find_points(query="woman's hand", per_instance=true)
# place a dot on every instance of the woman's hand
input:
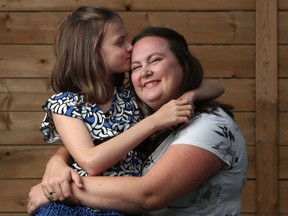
(56, 181)
(173, 113)
(36, 199)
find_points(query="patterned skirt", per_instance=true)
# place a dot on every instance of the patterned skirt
(61, 209)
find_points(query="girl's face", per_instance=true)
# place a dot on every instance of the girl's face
(116, 49)
(156, 72)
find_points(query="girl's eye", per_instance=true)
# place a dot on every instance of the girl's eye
(120, 43)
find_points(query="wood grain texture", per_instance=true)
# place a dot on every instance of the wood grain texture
(229, 27)
(266, 108)
(234, 40)
(128, 5)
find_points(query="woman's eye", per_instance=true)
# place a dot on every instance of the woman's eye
(154, 60)
(134, 68)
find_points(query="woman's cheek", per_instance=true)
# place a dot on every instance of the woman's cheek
(134, 79)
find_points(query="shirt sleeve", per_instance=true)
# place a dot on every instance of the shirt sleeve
(64, 103)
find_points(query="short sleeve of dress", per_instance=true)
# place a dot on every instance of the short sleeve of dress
(64, 103)
(215, 133)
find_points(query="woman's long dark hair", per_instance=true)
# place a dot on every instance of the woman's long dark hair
(192, 71)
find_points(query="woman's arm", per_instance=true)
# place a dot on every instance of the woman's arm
(168, 180)
(58, 176)
(58, 184)
(96, 159)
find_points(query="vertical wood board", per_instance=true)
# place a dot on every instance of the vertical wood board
(266, 107)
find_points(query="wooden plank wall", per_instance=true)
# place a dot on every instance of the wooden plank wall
(244, 43)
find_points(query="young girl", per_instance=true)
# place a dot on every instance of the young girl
(92, 54)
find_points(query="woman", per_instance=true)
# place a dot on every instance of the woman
(92, 54)
(199, 169)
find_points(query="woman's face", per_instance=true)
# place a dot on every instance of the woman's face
(116, 49)
(156, 72)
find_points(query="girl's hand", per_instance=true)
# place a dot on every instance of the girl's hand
(173, 113)
(189, 96)
(209, 89)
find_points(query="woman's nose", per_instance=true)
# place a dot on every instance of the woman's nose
(146, 72)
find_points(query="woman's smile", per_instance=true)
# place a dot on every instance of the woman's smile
(151, 84)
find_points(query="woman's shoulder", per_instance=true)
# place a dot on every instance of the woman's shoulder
(218, 116)
(204, 125)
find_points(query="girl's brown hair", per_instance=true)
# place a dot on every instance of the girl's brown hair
(79, 65)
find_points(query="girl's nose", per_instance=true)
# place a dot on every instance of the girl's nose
(129, 47)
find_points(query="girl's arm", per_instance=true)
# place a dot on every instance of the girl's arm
(209, 89)
(60, 183)
(96, 159)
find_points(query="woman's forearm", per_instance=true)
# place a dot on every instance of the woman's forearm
(168, 180)
(108, 193)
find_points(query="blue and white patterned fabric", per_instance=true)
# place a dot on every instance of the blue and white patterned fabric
(123, 114)
(59, 209)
